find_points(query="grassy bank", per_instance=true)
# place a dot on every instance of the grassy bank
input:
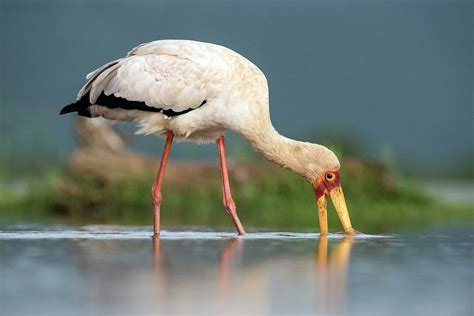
(266, 196)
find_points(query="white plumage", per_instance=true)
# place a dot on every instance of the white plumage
(172, 75)
(197, 91)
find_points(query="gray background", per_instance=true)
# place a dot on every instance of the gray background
(396, 74)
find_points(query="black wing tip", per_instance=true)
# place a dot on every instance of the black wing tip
(77, 106)
(68, 109)
(81, 107)
(112, 102)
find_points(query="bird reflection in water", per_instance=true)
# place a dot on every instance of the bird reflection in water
(159, 266)
(331, 273)
(256, 287)
(228, 254)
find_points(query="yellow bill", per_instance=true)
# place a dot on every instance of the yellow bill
(337, 197)
(329, 185)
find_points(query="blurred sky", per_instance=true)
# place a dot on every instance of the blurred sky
(398, 74)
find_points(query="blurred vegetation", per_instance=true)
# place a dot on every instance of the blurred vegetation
(266, 197)
(106, 183)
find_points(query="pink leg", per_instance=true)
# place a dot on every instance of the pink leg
(156, 195)
(229, 203)
(225, 274)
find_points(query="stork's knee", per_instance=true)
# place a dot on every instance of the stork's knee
(229, 205)
(156, 195)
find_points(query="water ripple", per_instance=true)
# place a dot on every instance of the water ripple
(123, 233)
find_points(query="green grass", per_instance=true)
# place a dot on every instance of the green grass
(272, 198)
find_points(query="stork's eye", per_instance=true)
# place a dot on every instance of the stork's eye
(330, 176)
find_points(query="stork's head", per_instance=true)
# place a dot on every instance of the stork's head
(325, 180)
(329, 184)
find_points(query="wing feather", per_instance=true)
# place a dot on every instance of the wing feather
(99, 84)
(92, 76)
(160, 81)
(161, 74)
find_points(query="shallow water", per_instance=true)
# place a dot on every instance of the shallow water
(101, 270)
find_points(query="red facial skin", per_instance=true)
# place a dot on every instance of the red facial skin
(325, 185)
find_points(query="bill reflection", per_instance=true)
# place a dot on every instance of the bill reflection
(237, 279)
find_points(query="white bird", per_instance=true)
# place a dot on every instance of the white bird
(197, 91)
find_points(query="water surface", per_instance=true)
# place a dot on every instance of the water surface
(102, 270)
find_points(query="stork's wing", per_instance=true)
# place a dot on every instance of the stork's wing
(166, 77)
(92, 76)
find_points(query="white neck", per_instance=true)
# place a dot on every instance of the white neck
(307, 159)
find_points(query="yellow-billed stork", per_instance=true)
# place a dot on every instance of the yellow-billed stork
(196, 91)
